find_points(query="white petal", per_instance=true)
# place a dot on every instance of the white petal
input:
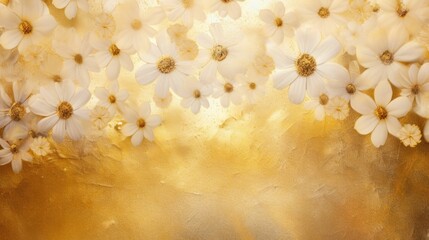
(112, 70)
(282, 79)
(393, 125)
(367, 57)
(379, 135)
(45, 24)
(383, 93)
(410, 52)
(129, 129)
(73, 129)
(16, 165)
(10, 39)
(399, 107)
(333, 71)
(80, 98)
(137, 138)
(363, 104)
(144, 110)
(154, 121)
(71, 10)
(59, 131)
(297, 91)
(147, 74)
(328, 48)
(366, 124)
(307, 39)
(209, 73)
(47, 123)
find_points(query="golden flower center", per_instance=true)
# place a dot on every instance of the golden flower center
(166, 65)
(228, 87)
(112, 99)
(188, 3)
(25, 27)
(14, 148)
(65, 110)
(415, 89)
(114, 50)
(136, 24)
(226, 1)
(375, 8)
(386, 58)
(324, 12)
(323, 99)
(57, 78)
(219, 53)
(78, 58)
(17, 111)
(197, 94)
(305, 65)
(401, 10)
(350, 88)
(381, 112)
(141, 123)
(279, 22)
(252, 85)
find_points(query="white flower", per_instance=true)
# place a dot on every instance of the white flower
(163, 102)
(409, 14)
(70, 6)
(100, 116)
(62, 106)
(228, 92)
(356, 33)
(14, 153)
(325, 15)
(164, 66)
(410, 135)
(14, 112)
(140, 125)
(253, 85)
(225, 8)
(380, 117)
(307, 69)
(104, 26)
(25, 23)
(113, 56)
(220, 53)
(264, 65)
(40, 146)
(77, 58)
(318, 103)
(338, 108)
(134, 25)
(195, 95)
(113, 98)
(186, 10)
(278, 22)
(384, 56)
(416, 86)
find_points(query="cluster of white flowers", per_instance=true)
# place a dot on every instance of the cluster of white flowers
(334, 55)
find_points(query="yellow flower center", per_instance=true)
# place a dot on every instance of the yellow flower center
(197, 94)
(279, 22)
(381, 112)
(323, 99)
(415, 89)
(114, 50)
(166, 65)
(17, 111)
(219, 53)
(112, 99)
(401, 10)
(252, 85)
(188, 3)
(324, 12)
(136, 24)
(78, 58)
(375, 8)
(305, 65)
(65, 110)
(57, 78)
(226, 1)
(141, 123)
(25, 27)
(228, 87)
(351, 88)
(386, 58)
(14, 148)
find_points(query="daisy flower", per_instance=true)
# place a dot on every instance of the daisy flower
(134, 25)
(140, 124)
(263, 64)
(163, 102)
(318, 103)
(338, 108)
(228, 92)
(15, 152)
(25, 23)
(278, 22)
(40, 146)
(225, 8)
(325, 15)
(113, 98)
(305, 70)
(416, 86)
(71, 6)
(220, 53)
(113, 56)
(409, 14)
(62, 106)
(195, 95)
(78, 60)
(13, 112)
(163, 64)
(380, 116)
(104, 26)
(253, 85)
(385, 55)
(100, 117)
(410, 135)
(186, 10)
(188, 49)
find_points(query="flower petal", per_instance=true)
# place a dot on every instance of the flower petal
(363, 104)
(383, 93)
(297, 90)
(399, 107)
(366, 124)
(379, 135)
